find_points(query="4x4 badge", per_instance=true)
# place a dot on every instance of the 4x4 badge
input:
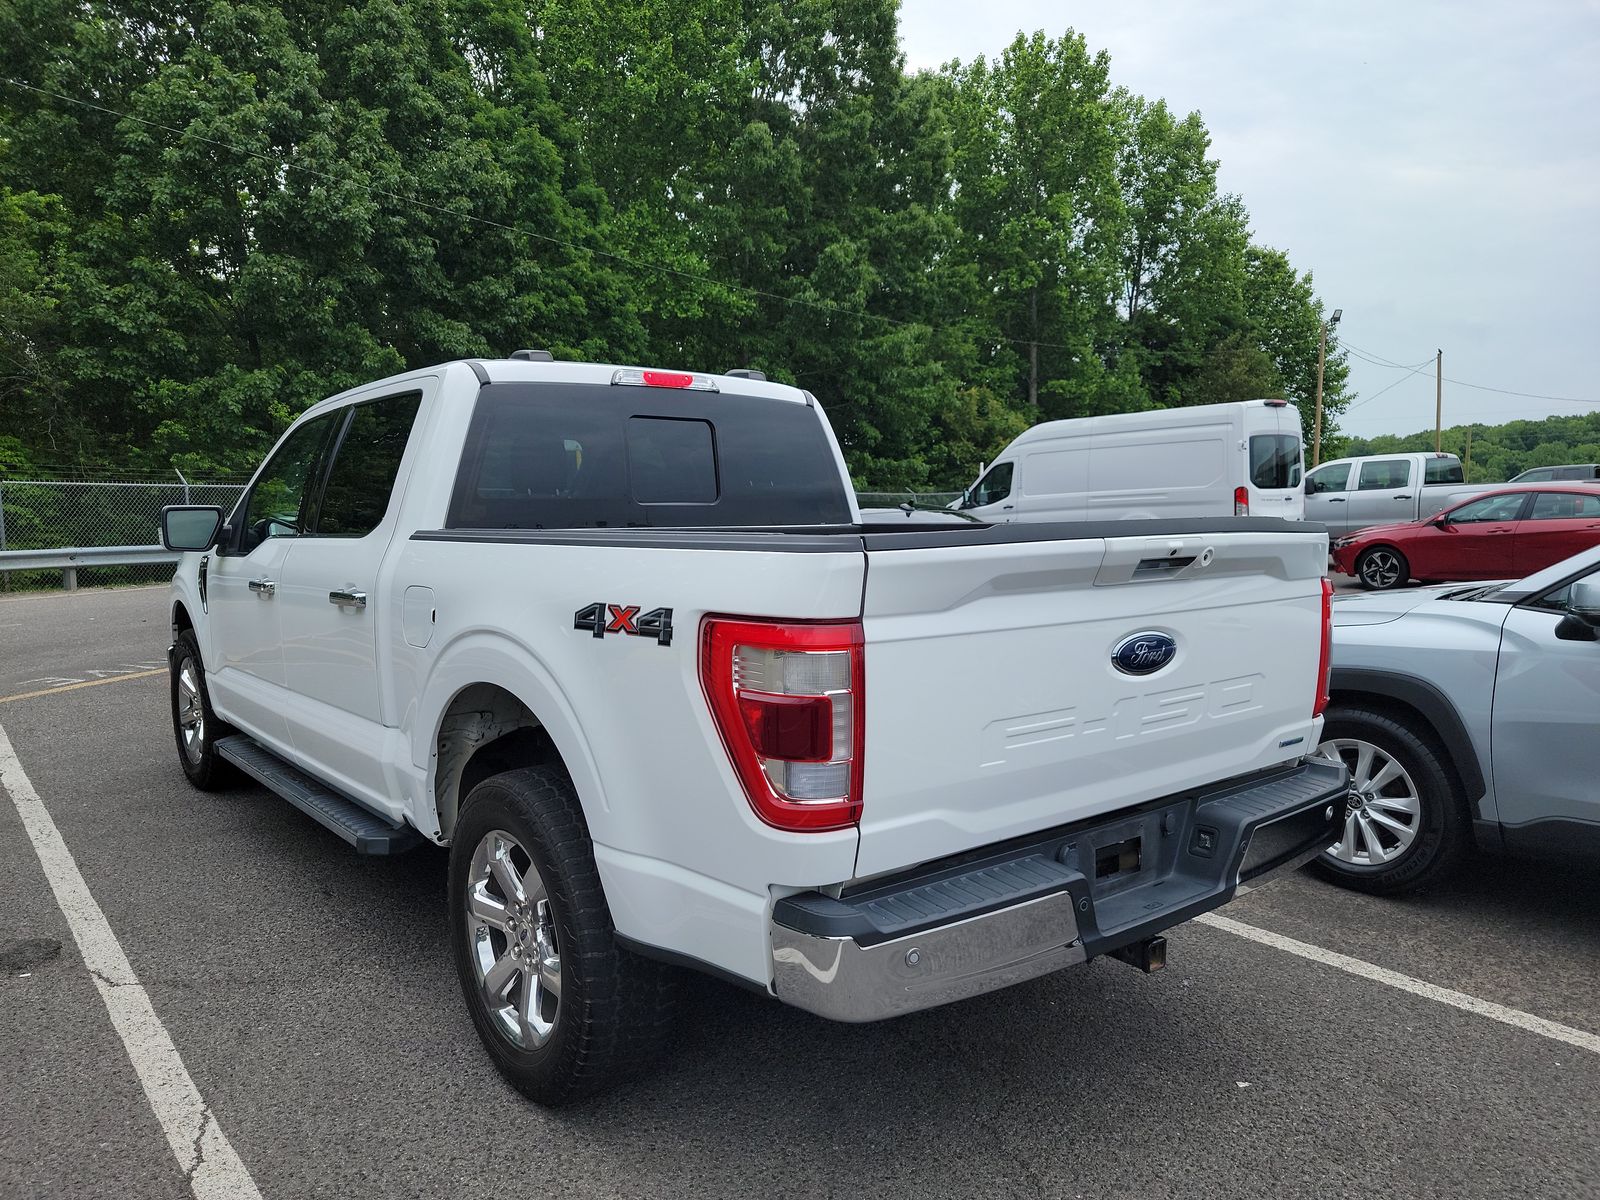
(601, 618)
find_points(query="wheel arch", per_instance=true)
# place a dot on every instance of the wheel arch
(490, 706)
(180, 618)
(1425, 703)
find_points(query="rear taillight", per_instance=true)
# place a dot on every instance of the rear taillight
(1241, 502)
(789, 701)
(1325, 662)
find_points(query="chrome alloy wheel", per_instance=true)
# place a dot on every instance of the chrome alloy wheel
(191, 715)
(1383, 811)
(1380, 569)
(512, 934)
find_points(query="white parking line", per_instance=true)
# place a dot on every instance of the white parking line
(197, 1141)
(1553, 1030)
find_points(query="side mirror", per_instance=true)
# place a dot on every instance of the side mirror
(1583, 601)
(1311, 487)
(190, 526)
(1442, 521)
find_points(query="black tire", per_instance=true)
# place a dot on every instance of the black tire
(1442, 834)
(1381, 568)
(198, 756)
(614, 1008)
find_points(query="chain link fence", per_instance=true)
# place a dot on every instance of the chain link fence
(895, 499)
(46, 514)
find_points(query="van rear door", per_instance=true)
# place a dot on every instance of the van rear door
(1274, 461)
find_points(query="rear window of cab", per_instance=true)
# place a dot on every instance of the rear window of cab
(594, 456)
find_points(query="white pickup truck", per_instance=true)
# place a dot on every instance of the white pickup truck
(620, 640)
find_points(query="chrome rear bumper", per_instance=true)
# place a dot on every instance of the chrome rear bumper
(959, 929)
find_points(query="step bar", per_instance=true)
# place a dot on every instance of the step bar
(361, 827)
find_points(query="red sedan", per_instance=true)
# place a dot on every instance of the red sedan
(1502, 534)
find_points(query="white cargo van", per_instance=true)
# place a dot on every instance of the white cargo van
(1239, 459)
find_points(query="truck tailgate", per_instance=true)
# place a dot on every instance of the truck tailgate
(994, 707)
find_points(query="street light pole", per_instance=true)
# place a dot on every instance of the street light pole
(1322, 353)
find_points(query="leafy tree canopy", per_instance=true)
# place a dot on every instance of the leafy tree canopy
(213, 214)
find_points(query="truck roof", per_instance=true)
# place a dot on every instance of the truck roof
(515, 370)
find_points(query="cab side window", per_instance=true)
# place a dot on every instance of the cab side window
(280, 502)
(361, 480)
(1383, 474)
(1329, 479)
(993, 487)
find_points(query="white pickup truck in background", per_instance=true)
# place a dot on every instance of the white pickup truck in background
(620, 640)
(1348, 494)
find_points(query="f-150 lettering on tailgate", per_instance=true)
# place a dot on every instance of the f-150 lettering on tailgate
(1158, 712)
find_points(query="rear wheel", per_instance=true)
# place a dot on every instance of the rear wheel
(1382, 568)
(195, 727)
(563, 1010)
(1405, 823)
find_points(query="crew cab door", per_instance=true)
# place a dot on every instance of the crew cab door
(1385, 492)
(1544, 752)
(1326, 501)
(243, 647)
(1559, 525)
(330, 598)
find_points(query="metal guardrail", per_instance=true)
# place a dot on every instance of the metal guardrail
(67, 560)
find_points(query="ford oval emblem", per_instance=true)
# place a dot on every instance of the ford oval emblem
(1144, 653)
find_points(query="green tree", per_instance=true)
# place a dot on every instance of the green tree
(299, 199)
(1285, 318)
(1036, 200)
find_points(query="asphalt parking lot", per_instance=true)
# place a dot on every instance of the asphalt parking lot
(310, 996)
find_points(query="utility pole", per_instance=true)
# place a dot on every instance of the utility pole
(1322, 354)
(1466, 467)
(1438, 401)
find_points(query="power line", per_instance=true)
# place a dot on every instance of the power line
(1380, 391)
(623, 259)
(1378, 360)
(1384, 363)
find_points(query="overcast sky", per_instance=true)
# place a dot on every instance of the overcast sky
(1435, 166)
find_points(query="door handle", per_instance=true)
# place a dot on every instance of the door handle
(348, 599)
(264, 587)
(1008, 507)
(1406, 497)
(1335, 499)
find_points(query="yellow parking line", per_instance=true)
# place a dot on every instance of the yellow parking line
(72, 687)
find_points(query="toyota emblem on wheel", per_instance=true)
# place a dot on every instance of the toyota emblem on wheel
(1144, 653)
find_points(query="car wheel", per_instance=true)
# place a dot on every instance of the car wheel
(1405, 824)
(194, 725)
(1382, 568)
(563, 1010)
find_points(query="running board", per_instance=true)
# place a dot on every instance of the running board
(362, 828)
